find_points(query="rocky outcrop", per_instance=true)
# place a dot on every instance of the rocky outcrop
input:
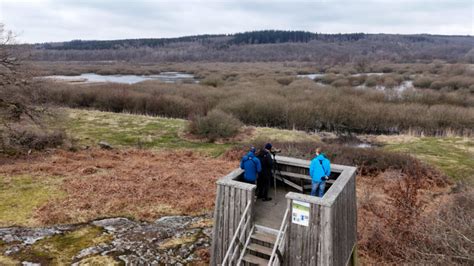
(169, 240)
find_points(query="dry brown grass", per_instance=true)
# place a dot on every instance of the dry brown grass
(135, 183)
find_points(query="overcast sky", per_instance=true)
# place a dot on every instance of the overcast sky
(55, 20)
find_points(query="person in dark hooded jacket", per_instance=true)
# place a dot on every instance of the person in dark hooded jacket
(251, 165)
(265, 177)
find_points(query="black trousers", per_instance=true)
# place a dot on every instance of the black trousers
(263, 184)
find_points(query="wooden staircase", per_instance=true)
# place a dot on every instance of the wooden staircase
(259, 249)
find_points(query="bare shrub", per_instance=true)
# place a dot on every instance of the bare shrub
(447, 234)
(422, 82)
(371, 81)
(329, 78)
(258, 109)
(213, 80)
(21, 138)
(216, 124)
(437, 85)
(257, 99)
(357, 80)
(341, 83)
(285, 81)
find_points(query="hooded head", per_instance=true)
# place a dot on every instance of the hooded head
(252, 149)
(268, 146)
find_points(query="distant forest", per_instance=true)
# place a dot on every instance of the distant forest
(268, 45)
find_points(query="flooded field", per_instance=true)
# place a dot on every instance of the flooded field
(318, 77)
(167, 77)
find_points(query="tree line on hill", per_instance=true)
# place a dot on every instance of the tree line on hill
(268, 45)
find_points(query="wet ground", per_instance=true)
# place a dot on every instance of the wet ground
(167, 77)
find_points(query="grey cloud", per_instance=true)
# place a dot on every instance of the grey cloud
(54, 20)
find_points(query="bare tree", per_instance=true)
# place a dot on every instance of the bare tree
(20, 116)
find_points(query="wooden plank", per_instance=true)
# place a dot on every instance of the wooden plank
(295, 175)
(331, 181)
(305, 163)
(263, 237)
(326, 236)
(225, 235)
(288, 182)
(221, 230)
(243, 203)
(236, 184)
(215, 229)
(251, 198)
(315, 233)
(231, 212)
(238, 216)
(255, 260)
(307, 198)
(260, 249)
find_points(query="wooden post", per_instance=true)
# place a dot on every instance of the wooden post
(231, 199)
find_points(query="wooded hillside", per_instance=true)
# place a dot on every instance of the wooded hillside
(269, 45)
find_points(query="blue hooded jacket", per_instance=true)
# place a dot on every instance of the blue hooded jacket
(319, 168)
(251, 165)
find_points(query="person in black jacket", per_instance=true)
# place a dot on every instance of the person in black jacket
(265, 176)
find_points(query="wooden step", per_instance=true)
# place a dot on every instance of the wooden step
(254, 260)
(267, 238)
(260, 249)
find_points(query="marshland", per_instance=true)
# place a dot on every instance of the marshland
(406, 122)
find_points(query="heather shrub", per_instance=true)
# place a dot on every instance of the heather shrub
(216, 124)
(422, 82)
(258, 109)
(371, 81)
(459, 82)
(357, 80)
(22, 138)
(113, 100)
(172, 106)
(437, 85)
(341, 83)
(391, 80)
(285, 81)
(213, 81)
(329, 78)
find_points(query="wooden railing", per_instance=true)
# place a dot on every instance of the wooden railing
(279, 245)
(236, 243)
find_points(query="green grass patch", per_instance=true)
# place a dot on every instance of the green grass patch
(21, 195)
(60, 249)
(283, 135)
(453, 155)
(126, 130)
(4, 260)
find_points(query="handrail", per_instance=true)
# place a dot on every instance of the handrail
(234, 238)
(281, 234)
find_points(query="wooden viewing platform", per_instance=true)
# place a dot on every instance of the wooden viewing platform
(292, 229)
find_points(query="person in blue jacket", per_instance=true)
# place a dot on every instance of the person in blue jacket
(251, 165)
(319, 170)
